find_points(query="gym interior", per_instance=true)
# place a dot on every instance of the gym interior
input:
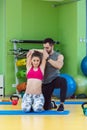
(23, 26)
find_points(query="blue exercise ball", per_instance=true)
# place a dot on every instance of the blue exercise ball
(71, 86)
(84, 65)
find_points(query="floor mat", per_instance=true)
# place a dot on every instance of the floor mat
(20, 112)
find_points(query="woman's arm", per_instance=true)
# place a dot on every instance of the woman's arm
(28, 61)
(39, 50)
(43, 63)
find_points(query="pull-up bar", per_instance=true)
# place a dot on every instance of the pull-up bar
(30, 41)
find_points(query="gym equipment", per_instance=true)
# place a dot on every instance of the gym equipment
(20, 112)
(81, 85)
(81, 96)
(84, 65)
(19, 52)
(71, 86)
(21, 74)
(71, 102)
(22, 93)
(66, 102)
(84, 108)
(21, 87)
(14, 99)
(21, 62)
(30, 41)
(5, 100)
(5, 103)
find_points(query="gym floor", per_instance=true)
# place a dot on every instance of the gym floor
(76, 120)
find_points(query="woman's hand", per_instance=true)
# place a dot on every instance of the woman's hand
(30, 53)
(45, 54)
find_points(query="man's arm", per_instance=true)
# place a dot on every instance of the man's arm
(58, 63)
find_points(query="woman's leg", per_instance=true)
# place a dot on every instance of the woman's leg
(38, 103)
(26, 102)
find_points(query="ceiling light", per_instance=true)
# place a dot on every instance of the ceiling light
(54, 0)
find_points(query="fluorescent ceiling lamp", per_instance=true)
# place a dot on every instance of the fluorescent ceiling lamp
(54, 0)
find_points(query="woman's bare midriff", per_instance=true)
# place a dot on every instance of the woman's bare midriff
(34, 86)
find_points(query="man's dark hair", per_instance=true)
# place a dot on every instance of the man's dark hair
(49, 40)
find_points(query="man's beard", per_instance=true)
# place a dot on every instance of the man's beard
(49, 52)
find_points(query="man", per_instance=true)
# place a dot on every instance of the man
(52, 80)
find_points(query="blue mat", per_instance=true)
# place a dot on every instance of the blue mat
(66, 102)
(5, 103)
(20, 112)
(71, 102)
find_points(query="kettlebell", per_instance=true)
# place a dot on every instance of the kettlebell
(84, 108)
(14, 99)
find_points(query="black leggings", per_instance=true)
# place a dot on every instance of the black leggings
(47, 90)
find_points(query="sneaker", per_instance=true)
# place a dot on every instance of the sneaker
(61, 107)
(53, 105)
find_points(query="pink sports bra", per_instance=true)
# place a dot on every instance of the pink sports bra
(35, 74)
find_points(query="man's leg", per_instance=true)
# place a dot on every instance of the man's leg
(61, 83)
(47, 92)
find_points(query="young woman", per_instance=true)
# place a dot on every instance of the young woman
(33, 98)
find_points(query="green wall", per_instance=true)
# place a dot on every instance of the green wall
(81, 33)
(63, 23)
(35, 19)
(39, 19)
(13, 30)
(2, 36)
(67, 28)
